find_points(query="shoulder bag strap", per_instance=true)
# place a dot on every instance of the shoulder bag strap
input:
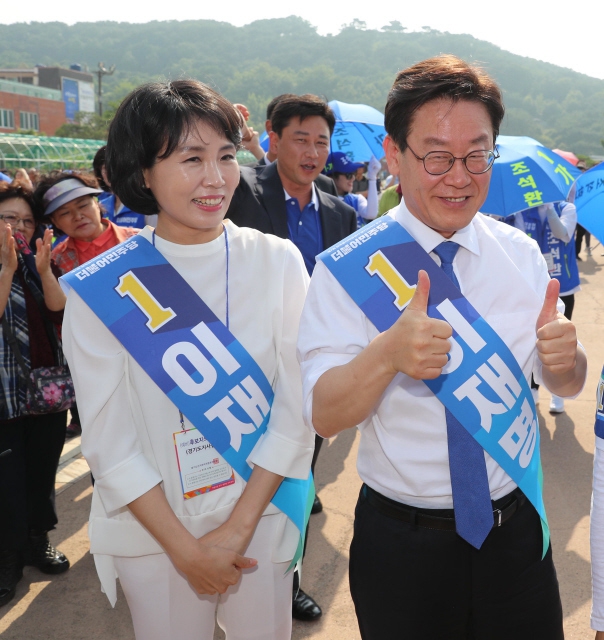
(51, 331)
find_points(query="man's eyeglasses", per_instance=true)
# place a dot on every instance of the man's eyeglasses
(28, 223)
(436, 163)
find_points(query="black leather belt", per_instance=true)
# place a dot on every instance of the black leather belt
(503, 509)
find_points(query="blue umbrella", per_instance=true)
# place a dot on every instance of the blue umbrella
(526, 175)
(359, 131)
(589, 199)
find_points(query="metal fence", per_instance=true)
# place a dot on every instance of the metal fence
(46, 153)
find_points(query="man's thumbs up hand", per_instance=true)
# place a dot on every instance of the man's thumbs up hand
(549, 310)
(419, 302)
(556, 336)
(416, 344)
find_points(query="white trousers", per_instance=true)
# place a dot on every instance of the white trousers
(165, 607)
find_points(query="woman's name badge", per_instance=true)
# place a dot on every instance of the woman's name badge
(201, 467)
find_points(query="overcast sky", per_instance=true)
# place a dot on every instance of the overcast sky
(567, 34)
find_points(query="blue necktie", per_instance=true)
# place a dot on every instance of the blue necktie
(469, 480)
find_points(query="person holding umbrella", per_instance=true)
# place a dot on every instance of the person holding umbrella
(341, 169)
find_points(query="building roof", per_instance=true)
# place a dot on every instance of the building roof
(33, 91)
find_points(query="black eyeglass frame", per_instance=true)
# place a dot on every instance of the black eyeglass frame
(492, 157)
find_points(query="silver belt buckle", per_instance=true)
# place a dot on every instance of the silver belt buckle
(498, 512)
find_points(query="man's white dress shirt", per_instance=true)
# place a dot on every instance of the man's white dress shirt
(403, 449)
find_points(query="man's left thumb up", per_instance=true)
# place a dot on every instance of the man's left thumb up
(549, 311)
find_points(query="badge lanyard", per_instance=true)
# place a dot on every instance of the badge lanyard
(226, 246)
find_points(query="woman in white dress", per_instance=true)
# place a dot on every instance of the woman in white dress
(223, 554)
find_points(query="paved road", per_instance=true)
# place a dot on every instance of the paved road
(71, 606)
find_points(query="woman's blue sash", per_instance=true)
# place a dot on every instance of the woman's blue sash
(190, 354)
(483, 384)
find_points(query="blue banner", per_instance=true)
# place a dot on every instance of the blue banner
(482, 384)
(189, 353)
(71, 98)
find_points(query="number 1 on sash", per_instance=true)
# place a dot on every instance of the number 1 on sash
(157, 316)
(382, 267)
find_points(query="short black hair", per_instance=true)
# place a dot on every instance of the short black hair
(98, 162)
(302, 107)
(447, 77)
(275, 101)
(149, 125)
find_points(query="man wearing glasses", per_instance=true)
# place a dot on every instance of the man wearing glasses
(445, 543)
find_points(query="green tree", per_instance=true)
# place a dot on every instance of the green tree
(87, 126)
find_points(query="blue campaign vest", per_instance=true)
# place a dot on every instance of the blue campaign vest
(352, 200)
(126, 217)
(563, 254)
(483, 384)
(191, 356)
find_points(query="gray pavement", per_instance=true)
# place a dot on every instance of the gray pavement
(72, 607)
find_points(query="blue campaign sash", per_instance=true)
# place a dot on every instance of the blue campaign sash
(190, 354)
(483, 384)
(599, 423)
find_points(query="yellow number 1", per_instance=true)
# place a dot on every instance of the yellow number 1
(157, 316)
(382, 267)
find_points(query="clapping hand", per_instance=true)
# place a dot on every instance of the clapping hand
(8, 252)
(43, 252)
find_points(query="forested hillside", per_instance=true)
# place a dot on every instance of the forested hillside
(252, 64)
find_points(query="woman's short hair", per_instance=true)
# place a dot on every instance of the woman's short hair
(149, 125)
(21, 190)
(446, 77)
(98, 162)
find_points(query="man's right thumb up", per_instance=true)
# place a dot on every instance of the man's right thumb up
(419, 302)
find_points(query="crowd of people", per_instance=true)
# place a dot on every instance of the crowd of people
(219, 321)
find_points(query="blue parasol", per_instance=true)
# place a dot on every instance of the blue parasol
(359, 131)
(588, 194)
(526, 175)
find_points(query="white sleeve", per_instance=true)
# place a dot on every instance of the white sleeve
(519, 222)
(597, 539)
(563, 226)
(372, 201)
(361, 205)
(333, 330)
(288, 444)
(110, 441)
